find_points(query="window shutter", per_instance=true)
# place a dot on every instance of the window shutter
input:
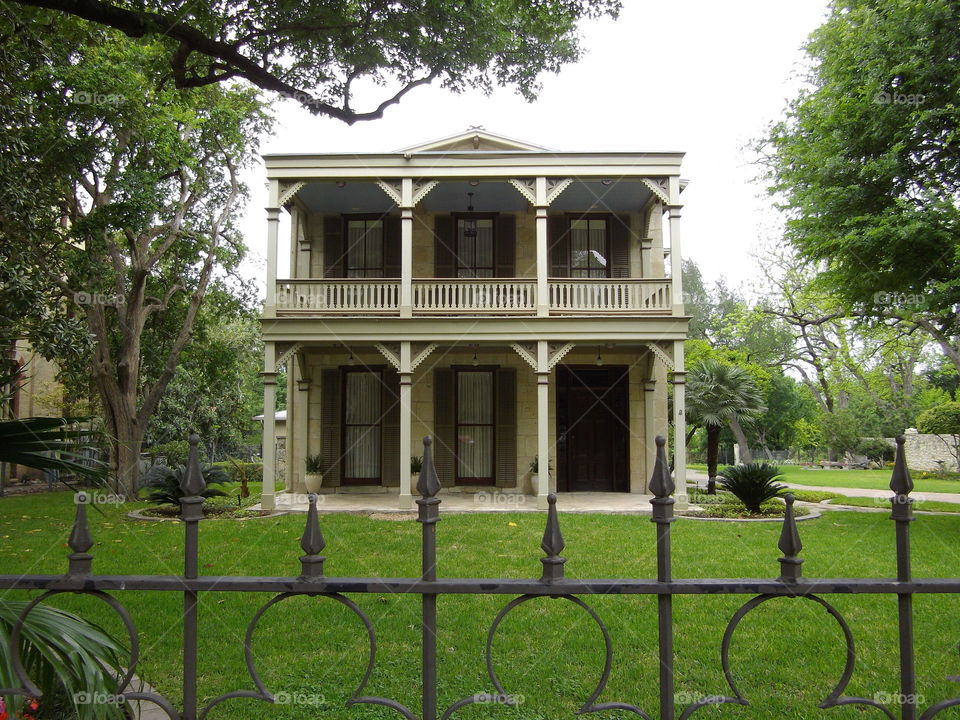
(391, 246)
(444, 247)
(330, 426)
(445, 443)
(620, 246)
(390, 429)
(333, 247)
(505, 252)
(506, 429)
(558, 240)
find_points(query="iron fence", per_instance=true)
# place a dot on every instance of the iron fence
(313, 582)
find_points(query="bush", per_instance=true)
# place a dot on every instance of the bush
(164, 483)
(238, 470)
(753, 483)
(875, 449)
(941, 419)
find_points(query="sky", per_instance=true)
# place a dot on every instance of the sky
(696, 76)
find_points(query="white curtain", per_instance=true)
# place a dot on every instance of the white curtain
(364, 248)
(475, 424)
(362, 419)
(588, 248)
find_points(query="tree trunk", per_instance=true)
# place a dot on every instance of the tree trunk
(713, 451)
(745, 455)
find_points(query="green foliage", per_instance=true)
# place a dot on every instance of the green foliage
(314, 463)
(875, 449)
(163, 483)
(66, 657)
(51, 444)
(753, 483)
(840, 431)
(416, 463)
(238, 470)
(943, 419)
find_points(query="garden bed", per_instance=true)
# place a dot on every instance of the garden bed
(210, 512)
(725, 506)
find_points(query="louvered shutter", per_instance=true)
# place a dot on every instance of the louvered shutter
(391, 246)
(558, 239)
(333, 247)
(444, 247)
(330, 426)
(444, 446)
(390, 429)
(506, 429)
(505, 252)
(620, 246)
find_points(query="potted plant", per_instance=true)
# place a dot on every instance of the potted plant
(416, 465)
(313, 478)
(535, 475)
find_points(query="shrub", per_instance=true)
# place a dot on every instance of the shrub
(875, 449)
(238, 470)
(941, 420)
(314, 464)
(164, 483)
(753, 483)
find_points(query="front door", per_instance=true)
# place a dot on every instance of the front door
(593, 430)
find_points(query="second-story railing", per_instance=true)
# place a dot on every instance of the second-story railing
(474, 296)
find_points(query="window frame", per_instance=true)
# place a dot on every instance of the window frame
(607, 245)
(457, 217)
(378, 373)
(364, 217)
(492, 370)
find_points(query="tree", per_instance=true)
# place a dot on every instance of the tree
(943, 421)
(720, 394)
(146, 191)
(317, 53)
(867, 166)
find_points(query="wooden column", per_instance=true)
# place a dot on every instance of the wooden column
(298, 430)
(543, 260)
(406, 255)
(543, 423)
(273, 231)
(675, 256)
(406, 413)
(679, 426)
(268, 499)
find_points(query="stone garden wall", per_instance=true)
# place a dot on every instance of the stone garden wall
(929, 452)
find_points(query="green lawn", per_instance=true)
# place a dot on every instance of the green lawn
(870, 479)
(786, 655)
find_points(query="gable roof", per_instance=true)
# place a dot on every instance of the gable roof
(474, 139)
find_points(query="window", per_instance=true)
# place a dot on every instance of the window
(365, 248)
(588, 248)
(475, 247)
(475, 427)
(361, 426)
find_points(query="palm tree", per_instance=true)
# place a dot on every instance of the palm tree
(717, 395)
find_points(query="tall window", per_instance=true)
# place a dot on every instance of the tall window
(475, 247)
(475, 427)
(361, 425)
(589, 256)
(365, 248)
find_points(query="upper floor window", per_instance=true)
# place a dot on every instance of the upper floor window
(474, 251)
(364, 248)
(589, 248)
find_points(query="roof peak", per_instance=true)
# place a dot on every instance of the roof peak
(474, 138)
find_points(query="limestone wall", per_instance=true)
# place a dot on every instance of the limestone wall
(930, 452)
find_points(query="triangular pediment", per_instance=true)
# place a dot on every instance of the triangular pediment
(474, 140)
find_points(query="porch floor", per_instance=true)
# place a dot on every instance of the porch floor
(462, 502)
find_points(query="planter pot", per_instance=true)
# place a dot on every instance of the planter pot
(414, 478)
(532, 484)
(313, 481)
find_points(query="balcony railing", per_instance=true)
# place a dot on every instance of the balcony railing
(461, 296)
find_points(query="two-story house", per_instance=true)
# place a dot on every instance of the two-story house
(511, 301)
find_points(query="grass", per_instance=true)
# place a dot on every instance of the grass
(786, 656)
(869, 479)
(725, 505)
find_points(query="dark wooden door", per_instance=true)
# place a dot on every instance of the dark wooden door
(593, 429)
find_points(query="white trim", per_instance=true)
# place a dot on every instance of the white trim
(389, 355)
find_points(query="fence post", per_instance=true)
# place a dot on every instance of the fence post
(902, 513)
(662, 487)
(428, 485)
(191, 505)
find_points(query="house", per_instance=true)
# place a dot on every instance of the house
(512, 301)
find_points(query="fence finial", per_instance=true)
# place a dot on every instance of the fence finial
(900, 481)
(428, 485)
(192, 482)
(661, 484)
(312, 543)
(552, 543)
(80, 539)
(790, 544)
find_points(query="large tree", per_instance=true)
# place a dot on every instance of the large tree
(867, 162)
(141, 191)
(318, 52)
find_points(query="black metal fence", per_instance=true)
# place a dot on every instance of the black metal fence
(313, 582)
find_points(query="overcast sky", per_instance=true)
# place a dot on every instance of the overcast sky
(698, 76)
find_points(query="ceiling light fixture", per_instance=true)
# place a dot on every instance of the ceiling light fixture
(599, 358)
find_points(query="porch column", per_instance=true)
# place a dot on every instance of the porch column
(267, 500)
(273, 231)
(676, 260)
(543, 423)
(406, 390)
(406, 257)
(679, 426)
(543, 267)
(650, 427)
(298, 430)
(303, 247)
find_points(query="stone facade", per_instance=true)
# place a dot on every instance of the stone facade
(929, 452)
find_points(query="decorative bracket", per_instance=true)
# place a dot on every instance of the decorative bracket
(659, 187)
(421, 356)
(389, 355)
(555, 186)
(660, 355)
(558, 354)
(392, 189)
(421, 188)
(526, 355)
(288, 353)
(287, 193)
(526, 187)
